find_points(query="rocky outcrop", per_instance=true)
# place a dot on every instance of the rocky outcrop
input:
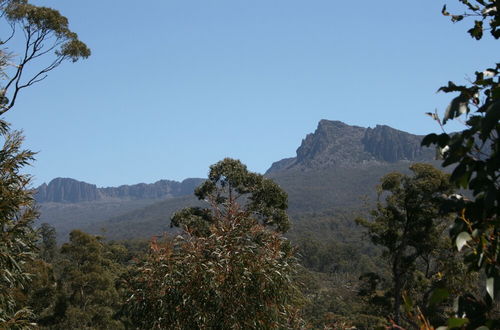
(391, 145)
(336, 144)
(159, 189)
(66, 190)
(333, 143)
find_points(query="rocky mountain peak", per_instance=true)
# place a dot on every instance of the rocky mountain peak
(335, 143)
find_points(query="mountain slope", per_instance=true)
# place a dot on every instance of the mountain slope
(69, 204)
(145, 222)
(336, 167)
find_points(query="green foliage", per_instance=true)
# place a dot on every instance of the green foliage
(45, 31)
(41, 294)
(409, 225)
(483, 11)
(79, 289)
(227, 270)
(48, 242)
(230, 182)
(474, 153)
(87, 296)
(238, 277)
(17, 238)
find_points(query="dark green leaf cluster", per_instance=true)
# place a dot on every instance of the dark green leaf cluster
(87, 281)
(229, 184)
(17, 237)
(47, 21)
(196, 219)
(45, 31)
(484, 11)
(410, 225)
(78, 288)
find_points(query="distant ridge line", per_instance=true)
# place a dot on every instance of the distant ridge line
(68, 190)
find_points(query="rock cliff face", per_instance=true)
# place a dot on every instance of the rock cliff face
(65, 190)
(159, 189)
(333, 143)
(336, 144)
(390, 145)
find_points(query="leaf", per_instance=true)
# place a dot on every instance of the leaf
(456, 322)
(462, 240)
(468, 4)
(461, 175)
(429, 139)
(488, 73)
(440, 152)
(438, 296)
(458, 106)
(433, 116)
(444, 12)
(477, 31)
(490, 284)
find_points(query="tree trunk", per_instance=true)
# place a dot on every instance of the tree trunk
(398, 288)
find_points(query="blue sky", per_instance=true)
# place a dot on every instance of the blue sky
(173, 86)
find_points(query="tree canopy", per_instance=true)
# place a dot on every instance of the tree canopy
(230, 184)
(17, 236)
(227, 270)
(46, 41)
(409, 224)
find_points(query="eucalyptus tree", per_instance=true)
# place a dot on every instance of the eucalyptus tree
(408, 224)
(17, 237)
(88, 296)
(228, 269)
(230, 184)
(34, 40)
(46, 41)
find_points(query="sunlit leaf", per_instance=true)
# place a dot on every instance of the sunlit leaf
(462, 240)
(458, 106)
(490, 287)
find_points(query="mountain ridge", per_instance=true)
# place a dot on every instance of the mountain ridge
(68, 190)
(336, 144)
(336, 167)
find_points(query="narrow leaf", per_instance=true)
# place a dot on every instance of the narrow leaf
(490, 283)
